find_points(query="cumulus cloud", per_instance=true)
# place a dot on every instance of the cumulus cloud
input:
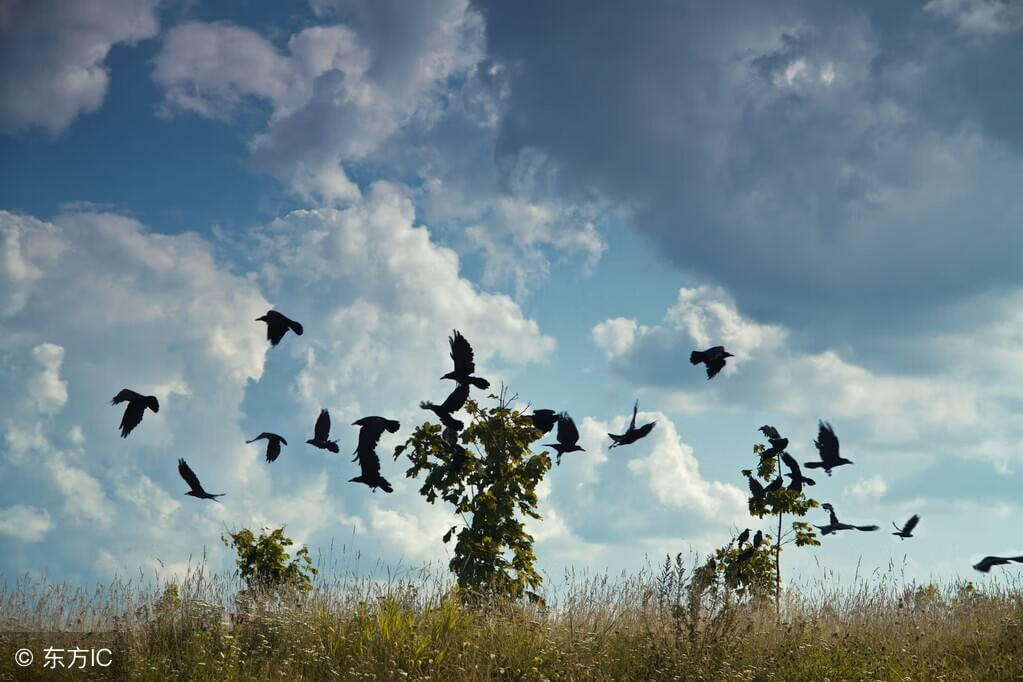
(614, 336)
(28, 524)
(867, 489)
(48, 390)
(719, 130)
(53, 56)
(337, 93)
(980, 18)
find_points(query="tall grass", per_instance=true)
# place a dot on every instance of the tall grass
(410, 625)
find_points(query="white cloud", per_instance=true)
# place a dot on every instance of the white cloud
(48, 390)
(980, 18)
(337, 94)
(867, 489)
(614, 336)
(53, 54)
(28, 524)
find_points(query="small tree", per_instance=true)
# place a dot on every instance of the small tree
(264, 563)
(755, 574)
(486, 483)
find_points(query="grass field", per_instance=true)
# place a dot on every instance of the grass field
(644, 627)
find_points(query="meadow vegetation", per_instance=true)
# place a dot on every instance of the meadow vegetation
(661, 623)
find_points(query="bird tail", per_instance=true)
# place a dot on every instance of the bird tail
(384, 484)
(814, 465)
(696, 357)
(332, 446)
(868, 527)
(426, 405)
(392, 425)
(808, 481)
(479, 382)
(296, 327)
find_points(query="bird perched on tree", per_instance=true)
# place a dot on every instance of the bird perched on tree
(273, 444)
(369, 435)
(321, 433)
(907, 530)
(544, 420)
(632, 434)
(137, 405)
(568, 437)
(743, 537)
(453, 403)
(827, 448)
(778, 444)
(712, 358)
(835, 525)
(985, 564)
(193, 482)
(798, 480)
(465, 365)
(757, 539)
(277, 325)
(755, 488)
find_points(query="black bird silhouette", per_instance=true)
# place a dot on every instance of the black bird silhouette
(459, 455)
(453, 403)
(827, 448)
(371, 430)
(193, 482)
(277, 325)
(798, 479)
(778, 444)
(745, 554)
(907, 530)
(461, 354)
(743, 537)
(712, 358)
(755, 487)
(632, 434)
(985, 564)
(365, 453)
(137, 405)
(757, 539)
(544, 420)
(321, 433)
(835, 525)
(273, 444)
(774, 485)
(568, 437)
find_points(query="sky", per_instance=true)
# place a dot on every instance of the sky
(587, 191)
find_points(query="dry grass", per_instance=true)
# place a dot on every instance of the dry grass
(644, 627)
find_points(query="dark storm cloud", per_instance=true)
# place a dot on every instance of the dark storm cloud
(799, 154)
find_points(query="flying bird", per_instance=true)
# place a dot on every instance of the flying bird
(544, 420)
(798, 479)
(632, 434)
(461, 354)
(568, 437)
(985, 564)
(137, 405)
(743, 537)
(778, 444)
(907, 530)
(453, 403)
(755, 487)
(273, 444)
(371, 430)
(365, 453)
(712, 358)
(193, 482)
(774, 485)
(827, 448)
(834, 525)
(321, 433)
(277, 326)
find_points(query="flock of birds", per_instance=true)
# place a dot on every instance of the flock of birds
(371, 428)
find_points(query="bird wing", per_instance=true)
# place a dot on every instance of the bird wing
(190, 478)
(295, 327)
(827, 442)
(792, 464)
(125, 394)
(755, 487)
(568, 434)
(456, 399)
(369, 462)
(644, 430)
(275, 329)
(769, 431)
(714, 366)
(461, 354)
(322, 429)
(632, 424)
(132, 417)
(369, 436)
(259, 437)
(911, 524)
(867, 527)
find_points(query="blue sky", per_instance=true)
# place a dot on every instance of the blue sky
(588, 191)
